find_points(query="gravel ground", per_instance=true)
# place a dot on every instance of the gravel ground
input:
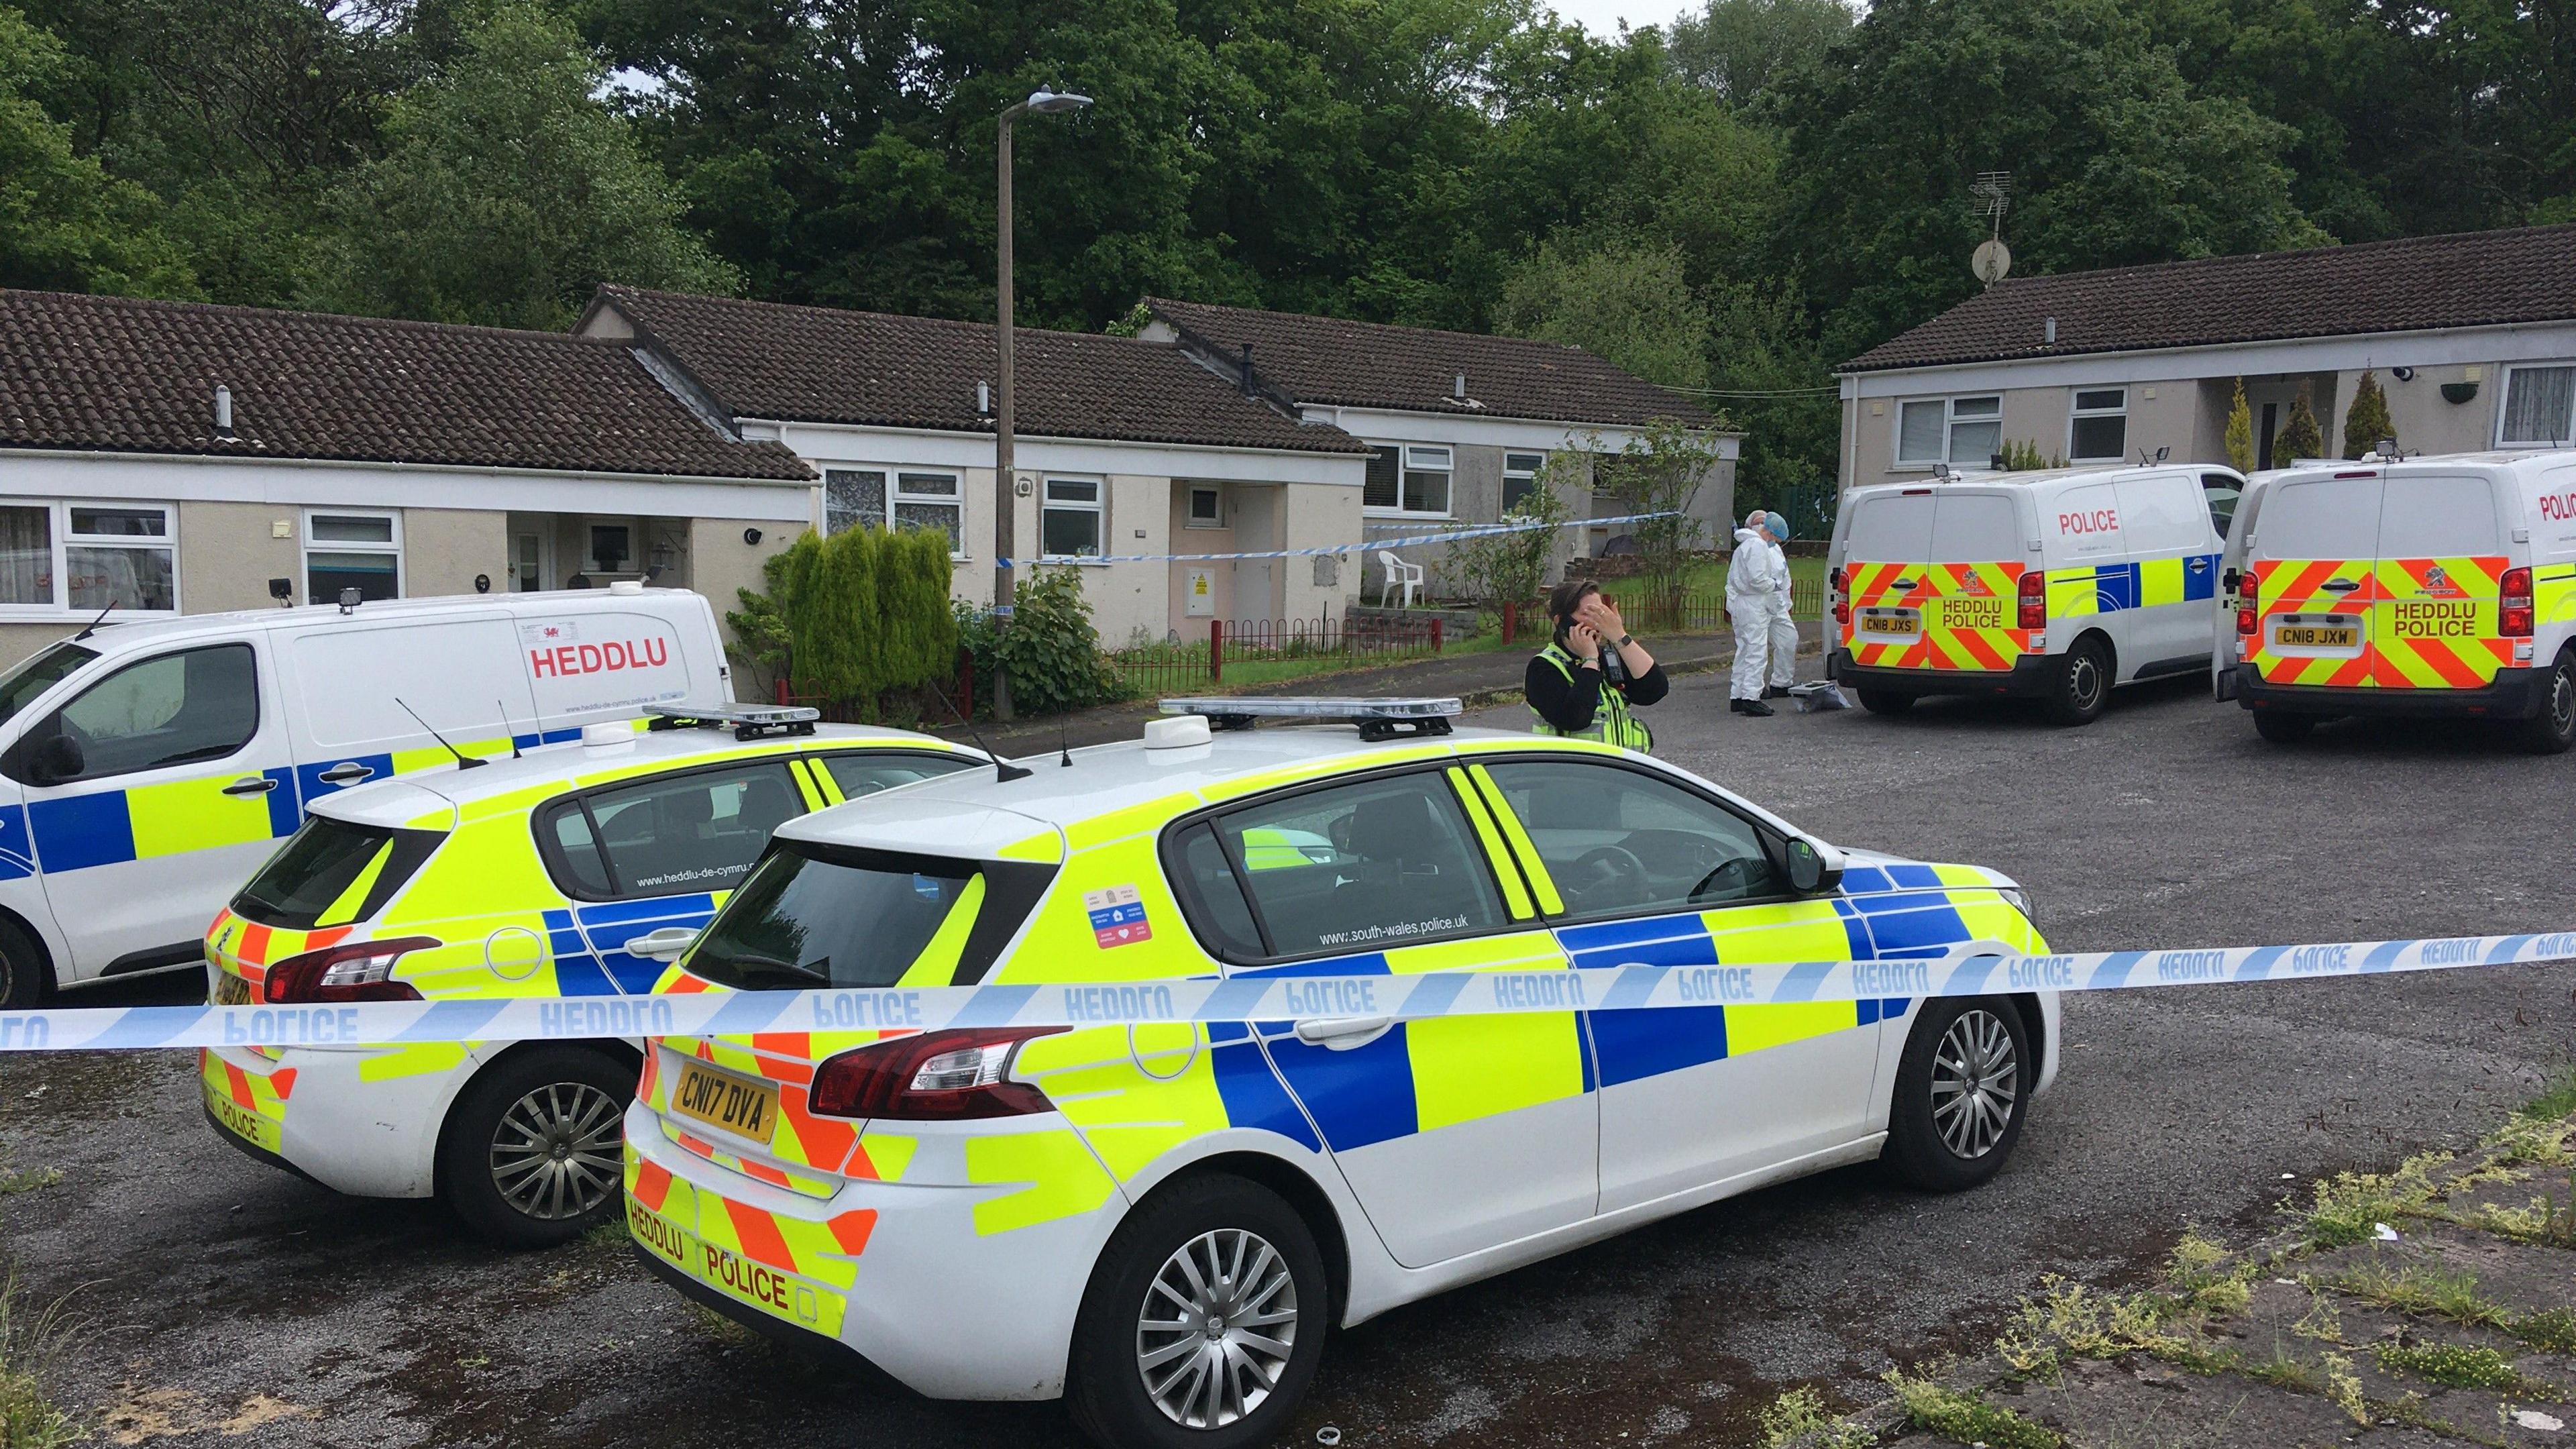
(222, 1302)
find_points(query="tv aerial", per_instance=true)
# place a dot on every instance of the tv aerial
(1990, 196)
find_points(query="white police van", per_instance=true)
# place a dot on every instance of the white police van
(2057, 585)
(147, 769)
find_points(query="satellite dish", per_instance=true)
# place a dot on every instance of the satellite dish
(1992, 260)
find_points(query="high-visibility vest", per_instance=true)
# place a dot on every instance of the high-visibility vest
(1611, 723)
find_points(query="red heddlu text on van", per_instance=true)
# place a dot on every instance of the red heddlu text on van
(2100, 520)
(566, 660)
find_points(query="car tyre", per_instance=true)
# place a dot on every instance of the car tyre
(1155, 1271)
(1885, 701)
(26, 977)
(526, 1158)
(1962, 1090)
(2551, 731)
(2083, 685)
(2282, 727)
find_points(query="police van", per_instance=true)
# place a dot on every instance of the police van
(2414, 586)
(2055, 585)
(147, 769)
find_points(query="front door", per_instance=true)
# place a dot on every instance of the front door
(152, 796)
(1457, 1134)
(1644, 871)
(532, 553)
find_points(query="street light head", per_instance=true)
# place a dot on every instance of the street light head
(1048, 103)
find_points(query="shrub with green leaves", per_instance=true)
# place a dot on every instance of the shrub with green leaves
(853, 617)
(1050, 648)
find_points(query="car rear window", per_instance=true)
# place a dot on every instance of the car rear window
(2438, 517)
(1974, 528)
(333, 873)
(811, 917)
(1892, 528)
(2327, 518)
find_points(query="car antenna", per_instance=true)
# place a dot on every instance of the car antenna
(92, 626)
(1004, 772)
(509, 729)
(1063, 744)
(464, 761)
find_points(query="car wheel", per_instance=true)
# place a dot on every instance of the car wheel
(1885, 701)
(26, 977)
(2083, 685)
(1203, 1323)
(2552, 730)
(1962, 1088)
(533, 1153)
(2283, 728)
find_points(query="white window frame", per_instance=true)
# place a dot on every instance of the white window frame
(59, 528)
(896, 494)
(402, 578)
(1412, 458)
(1097, 506)
(1512, 475)
(1216, 491)
(2504, 399)
(2073, 412)
(1949, 428)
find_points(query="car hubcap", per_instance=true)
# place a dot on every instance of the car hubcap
(557, 1153)
(2085, 681)
(1976, 1077)
(1217, 1330)
(2562, 712)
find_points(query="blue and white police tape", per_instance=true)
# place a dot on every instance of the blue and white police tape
(1487, 530)
(1266, 997)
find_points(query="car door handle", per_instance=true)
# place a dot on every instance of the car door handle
(666, 944)
(251, 785)
(1341, 1033)
(2340, 586)
(347, 772)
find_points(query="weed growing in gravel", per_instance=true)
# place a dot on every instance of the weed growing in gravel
(2348, 1207)
(2430, 1292)
(2536, 1140)
(1800, 1416)
(2558, 1102)
(2322, 1322)
(610, 1234)
(2071, 1318)
(2541, 1222)
(13, 1183)
(28, 1418)
(2551, 1331)
(1967, 1417)
(2343, 1388)
(2281, 1371)
(2197, 1269)
(2459, 1366)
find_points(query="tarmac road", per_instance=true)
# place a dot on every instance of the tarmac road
(227, 1303)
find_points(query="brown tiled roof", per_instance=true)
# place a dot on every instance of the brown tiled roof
(122, 375)
(1415, 369)
(822, 365)
(2468, 279)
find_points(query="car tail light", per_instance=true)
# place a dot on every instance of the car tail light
(2034, 599)
(1842, 596)
(936, 1076)
(360, 971)
(2248, 600)
(2516, 611)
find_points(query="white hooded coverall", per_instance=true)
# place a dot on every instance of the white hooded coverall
(1783, 649)
(1756, 573)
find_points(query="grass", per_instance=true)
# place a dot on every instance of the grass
(1967, 1417)
(2425, 1292)
(2558, 1103)
(29, 1418)
(34, 1178)
(1800, 1417)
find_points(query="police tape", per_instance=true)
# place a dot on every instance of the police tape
(1274, 997)
(1454, 535)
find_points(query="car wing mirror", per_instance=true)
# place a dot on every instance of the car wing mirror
(1814, 867)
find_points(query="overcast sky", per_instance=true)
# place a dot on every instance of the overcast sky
(1602, 17)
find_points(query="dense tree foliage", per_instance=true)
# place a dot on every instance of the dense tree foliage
(1730, 203)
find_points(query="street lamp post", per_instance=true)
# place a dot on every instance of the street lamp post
(1005, 504)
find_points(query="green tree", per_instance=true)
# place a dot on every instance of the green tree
(65, 223)
(507, 192)
(1512, 568)
(2299, 436)
(1742, 48)
(2240, 432)
(1660, 471)
(2366, 423)
(1626, 301)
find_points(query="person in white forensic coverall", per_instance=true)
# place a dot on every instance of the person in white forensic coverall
(1783, 643)
(1755, 573)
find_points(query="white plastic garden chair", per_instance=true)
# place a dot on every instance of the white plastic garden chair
(1410, 574)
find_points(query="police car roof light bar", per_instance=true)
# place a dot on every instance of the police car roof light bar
(747, 721)
(1378, 719)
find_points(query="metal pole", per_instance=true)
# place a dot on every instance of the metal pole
(1005, 503)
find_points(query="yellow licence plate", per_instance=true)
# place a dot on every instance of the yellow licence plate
(2317, 636)
(231, 990)
(739, 1105)
(1887, 623)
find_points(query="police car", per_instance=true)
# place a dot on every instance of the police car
(2408, 586)
(579, 870)
(1161, 1222)
(2056, 585)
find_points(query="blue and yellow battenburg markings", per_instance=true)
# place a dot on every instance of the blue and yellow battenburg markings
(2140, 584)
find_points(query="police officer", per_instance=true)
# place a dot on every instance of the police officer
(1590, 674)
(1755, 573)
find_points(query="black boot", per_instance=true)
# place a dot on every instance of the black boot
(1776, 692)
(1753, 707)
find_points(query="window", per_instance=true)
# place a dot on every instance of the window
(1207, 506)
(1964, 432)
(2101, 425)
(1069, 521)
(1968, 527)
(38, 673)
(1893, 528)
(1407, 479)
(361, 551)
(858, 498)
(1353, 868)
(612, 548)
(676, 835)
(83, 557)
(853, 498)
(931, 500)
(857, 918)
(1520, 477)
(308, 883)
(2220, 492)
(172, 709)
(1619, 841)
(2539, 406)
(865, 773)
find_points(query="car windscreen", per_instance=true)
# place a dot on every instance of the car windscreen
(812, 917)
(333, 873)
(1892, 528)
(28, 682)
(1974, 528)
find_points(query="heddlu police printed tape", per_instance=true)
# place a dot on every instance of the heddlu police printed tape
(1242, 998)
